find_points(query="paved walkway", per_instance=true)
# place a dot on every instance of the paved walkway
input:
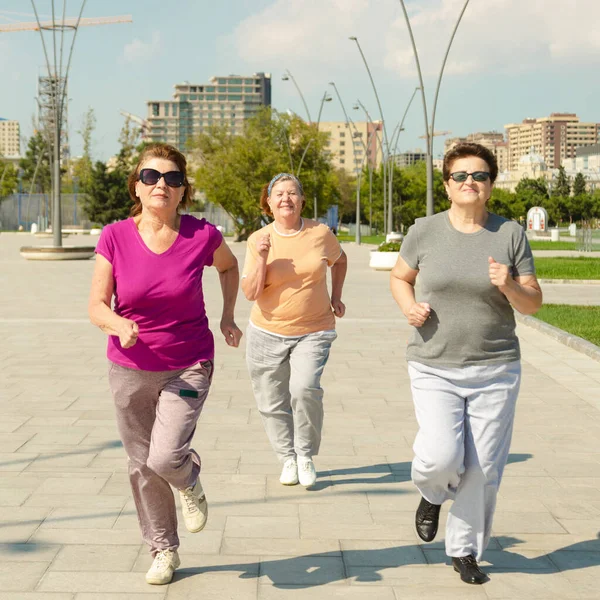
(67, 524)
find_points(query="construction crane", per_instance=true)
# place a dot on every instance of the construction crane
(143, 123)
(69, 23)
(435, 134)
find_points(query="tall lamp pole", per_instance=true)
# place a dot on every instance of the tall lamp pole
(348, 122)
(326, 98)
(289, 77)
(387, 145)
(429, 131)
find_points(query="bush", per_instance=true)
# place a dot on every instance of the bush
(389, 247)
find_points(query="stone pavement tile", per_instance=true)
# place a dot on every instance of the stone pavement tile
(331, 514)
(37, 596)
(95, 501)
(527, 560)
(532, 585)
(323, 592)
(258, 527)
(28, 552)
(521, 523)
(18, 524)
(569, 483)
(107, 537)
(13, 497)
(21, 576)
(66, 484)
(50, 463)
(101, 596)
(411, 591)
(200, 564)
(381, 553)
(551, 542)
(99, 581)
(581, 526)
(302, 570)
(11, 423)
(570, 509)
(189, 585)
(80, 518)
(322, 492)
(280, 547)
(11, 442)
(95, 558)
(208, 541)
(262, 509)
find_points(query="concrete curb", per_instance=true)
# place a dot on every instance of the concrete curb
(571, 281)
(568, 339)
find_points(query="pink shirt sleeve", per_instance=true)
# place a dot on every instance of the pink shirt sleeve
(106, 244)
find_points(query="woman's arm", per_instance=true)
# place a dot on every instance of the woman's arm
(523, 292)
(99, 310)
(402, 284)
(254, 282)
(229, 276)
(338, 276)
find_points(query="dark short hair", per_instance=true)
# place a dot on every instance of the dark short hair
(466, 150)
(166, 152)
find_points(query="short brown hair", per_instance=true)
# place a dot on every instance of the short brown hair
(264, 194)
(470, 149)
(166, 152)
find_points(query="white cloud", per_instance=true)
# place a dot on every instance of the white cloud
(495, 36)
(138, 50)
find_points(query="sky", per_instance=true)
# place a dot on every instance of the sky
(510, 59)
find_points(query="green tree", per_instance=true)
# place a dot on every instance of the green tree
(579, 185)
(107, 198)
(506, 204)
(562, 188)
(9, 179)
(83, 167)
(234, 168)
(36, 165)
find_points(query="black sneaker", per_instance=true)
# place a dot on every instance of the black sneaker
(469, 569)
(427, 518)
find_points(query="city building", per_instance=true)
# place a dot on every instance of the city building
(353, 146)
(10, 138)
(490, 139)
(555, 138)
(405, 159)
(194, 108)
(587, 162)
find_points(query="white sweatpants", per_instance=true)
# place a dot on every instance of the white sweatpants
(465, 418)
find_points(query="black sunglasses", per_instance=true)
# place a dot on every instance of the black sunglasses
(462, 176)
(173, 179)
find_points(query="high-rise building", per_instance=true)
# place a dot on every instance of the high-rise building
(194, 108)
(555, 138)
(347, 144)
(10, 138)
(405, 159)
(490, 139)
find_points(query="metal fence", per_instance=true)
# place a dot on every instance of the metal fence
(587, 239)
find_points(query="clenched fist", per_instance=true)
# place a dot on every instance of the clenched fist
(263, 245)
(419, 313)
(499, 274)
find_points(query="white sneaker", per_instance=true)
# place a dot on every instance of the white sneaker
(289, 473)
(194, 507)
(306, 471)
(161, 571)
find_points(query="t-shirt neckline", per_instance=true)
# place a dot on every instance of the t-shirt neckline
(140, 239)
(474, 233)
(289, 234)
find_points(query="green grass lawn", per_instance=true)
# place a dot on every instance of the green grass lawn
(568, 268)
(365, 239)
(583, 321)
(541, 245)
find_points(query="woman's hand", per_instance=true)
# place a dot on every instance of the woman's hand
(339, 308)
(263, 245)
(128, 333)
(231, 332)
(499, 274)
(418, 313)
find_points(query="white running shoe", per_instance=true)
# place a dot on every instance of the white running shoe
(306, 471)
(161, 571)
(289, 473)
(194, 507)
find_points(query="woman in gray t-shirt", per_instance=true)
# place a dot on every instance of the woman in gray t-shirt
(474, 267)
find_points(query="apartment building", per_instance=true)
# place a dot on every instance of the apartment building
(10, 138)
(406, 159)
(490, 139)
(555, 138)
(355, 145)
(194, 108)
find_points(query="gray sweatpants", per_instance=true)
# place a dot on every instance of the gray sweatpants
(157, 412)
(286, 380)
(465, 418)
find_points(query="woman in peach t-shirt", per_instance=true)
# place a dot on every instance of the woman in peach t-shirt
(292, 324)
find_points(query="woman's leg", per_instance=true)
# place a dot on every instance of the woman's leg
(267, 358)
(439, 444)
(136, 395)
(308, 358)
(491, 393)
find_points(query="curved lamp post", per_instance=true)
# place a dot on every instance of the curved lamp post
(287, 77)
(348, 122)
(387, 145)
(429, 131)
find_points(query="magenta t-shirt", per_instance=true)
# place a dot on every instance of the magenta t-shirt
(162, 293)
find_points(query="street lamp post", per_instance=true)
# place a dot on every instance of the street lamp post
(287, 77)
(358, 178)
(326, 98)
(387, 145)
(430, 131)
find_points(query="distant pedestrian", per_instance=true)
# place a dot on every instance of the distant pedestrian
(160, 348)
(292, 324)
(463, 357)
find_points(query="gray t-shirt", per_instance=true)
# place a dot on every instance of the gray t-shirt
(471, 320)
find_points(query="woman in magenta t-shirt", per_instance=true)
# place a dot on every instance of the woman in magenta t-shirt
(160, 348)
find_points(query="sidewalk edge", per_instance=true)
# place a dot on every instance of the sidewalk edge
(568, 339)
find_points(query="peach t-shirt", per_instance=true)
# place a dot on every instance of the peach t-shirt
(295, 300)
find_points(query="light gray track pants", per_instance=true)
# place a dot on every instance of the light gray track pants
(157, 412)
(465, 418)
(286, 380)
